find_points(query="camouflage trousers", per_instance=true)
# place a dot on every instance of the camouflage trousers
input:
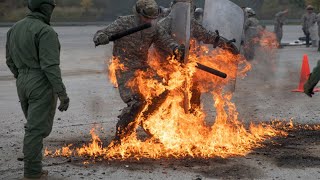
(136, 103)
(279, 33)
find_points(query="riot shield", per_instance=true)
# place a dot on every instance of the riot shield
(181, 27)
(226, 17)
(181, 24)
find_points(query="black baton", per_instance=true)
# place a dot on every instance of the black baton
(211, 70)
(129, 31)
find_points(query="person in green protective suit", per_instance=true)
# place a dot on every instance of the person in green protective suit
(33, 56)
(313, 80)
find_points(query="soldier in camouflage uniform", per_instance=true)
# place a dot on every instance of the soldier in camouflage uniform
(198, 15)
(132, 51)
(313, 80)
(308, 22)
(251, 29)
(200, 34)
(280, 19)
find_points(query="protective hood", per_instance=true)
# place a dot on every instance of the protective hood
(45, 7)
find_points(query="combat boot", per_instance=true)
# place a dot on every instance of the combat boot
(42, 176)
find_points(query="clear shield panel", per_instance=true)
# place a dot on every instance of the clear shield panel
(226, 17)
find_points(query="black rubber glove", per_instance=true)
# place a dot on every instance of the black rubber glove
(64, 102)
(217, 40)
(227, 45)
(179, 53)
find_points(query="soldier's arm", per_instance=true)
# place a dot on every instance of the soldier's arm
(9, 60)
(49, 57)
(314, 78)
(280, 14)
(112, 28)
(202, 34)
(314, 19)
(164, 40)
(247, 24)
(208, 37)
(316, 72)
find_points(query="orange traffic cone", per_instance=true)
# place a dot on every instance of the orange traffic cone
(305, 73)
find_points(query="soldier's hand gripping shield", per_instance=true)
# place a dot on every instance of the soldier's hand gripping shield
(227, 18)
(179, 53)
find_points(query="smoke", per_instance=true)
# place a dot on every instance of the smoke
(254, 93)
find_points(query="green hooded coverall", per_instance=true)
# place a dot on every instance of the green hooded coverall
(313, 80)
(33, 56)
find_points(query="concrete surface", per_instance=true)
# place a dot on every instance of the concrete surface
(263, 95)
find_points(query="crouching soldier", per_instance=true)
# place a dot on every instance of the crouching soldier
(132, 52)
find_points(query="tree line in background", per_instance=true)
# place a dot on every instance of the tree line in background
(101, 10)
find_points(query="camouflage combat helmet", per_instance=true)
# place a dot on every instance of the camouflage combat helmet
(148, 9)
(198, 11)
(309, 7)
(250, 11)
(35, 4)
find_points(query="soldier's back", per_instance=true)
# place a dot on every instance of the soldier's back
(23, 39)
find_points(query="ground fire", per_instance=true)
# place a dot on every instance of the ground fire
(176, 134)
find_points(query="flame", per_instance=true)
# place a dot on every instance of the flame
(176, 134)
(64, 151)
(94, 149)
(268, 40)
(291, 126)
(266, 49)
(114, 65)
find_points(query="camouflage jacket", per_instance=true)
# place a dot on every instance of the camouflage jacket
(280, 19)
(251, 29)
(308, 21)
(132, 50)
(197, 31)
(251, 22)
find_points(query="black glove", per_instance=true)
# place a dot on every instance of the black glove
(227, 45)
(217, 39)
(64, 102)
(179, 53)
